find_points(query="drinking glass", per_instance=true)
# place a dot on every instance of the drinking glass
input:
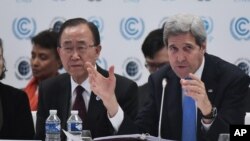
(224, 137)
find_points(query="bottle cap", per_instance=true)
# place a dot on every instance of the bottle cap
(75, 112)
(52, 111)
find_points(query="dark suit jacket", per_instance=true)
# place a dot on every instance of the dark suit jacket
(226, 86)
(16, 118)
(143, 95)
(55, 93)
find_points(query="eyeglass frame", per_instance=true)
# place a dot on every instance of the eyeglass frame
(154, 66)
(83, 48)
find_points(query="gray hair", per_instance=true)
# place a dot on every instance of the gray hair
(185, 23)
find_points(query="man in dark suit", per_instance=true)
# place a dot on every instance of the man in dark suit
(15, 115)
(156, 56)
(216, 87)
(79, 42)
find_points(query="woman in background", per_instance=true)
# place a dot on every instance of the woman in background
(45, 63)
(15, 116)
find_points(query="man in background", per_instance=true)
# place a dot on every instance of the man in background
(156, 56)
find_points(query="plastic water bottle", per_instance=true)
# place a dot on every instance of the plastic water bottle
(74, 124)
(53, 127)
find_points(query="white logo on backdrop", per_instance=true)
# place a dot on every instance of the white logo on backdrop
(243, 64)
(98, 21)
(209, 25)
(23, 69)
(132, 68)
(24, 28)
(132, 28)
(240, 28)
(57, 23)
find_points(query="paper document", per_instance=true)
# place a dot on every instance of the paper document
(143, 137)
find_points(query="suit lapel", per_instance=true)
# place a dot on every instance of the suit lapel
(96, 109)
(64, 100)
(173, 104)
(209, 78)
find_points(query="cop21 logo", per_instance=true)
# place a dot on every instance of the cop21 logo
(208, 23)
(132, 68)
(98, 21)
(243, 64)
(23, 69)
(24, 28)
(239, 28)
(132, 28)
(56, 23)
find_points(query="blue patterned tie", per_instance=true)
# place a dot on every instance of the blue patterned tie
(188, 119)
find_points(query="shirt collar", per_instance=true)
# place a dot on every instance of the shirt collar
(198, 73)
(85, 84)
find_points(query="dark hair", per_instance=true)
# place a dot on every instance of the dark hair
(153, 43)
(2, 75)
(47, 39)
(77, 21)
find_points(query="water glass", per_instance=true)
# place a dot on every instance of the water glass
(86, 135)
(224, 137)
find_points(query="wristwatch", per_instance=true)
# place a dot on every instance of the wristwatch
(212, 114)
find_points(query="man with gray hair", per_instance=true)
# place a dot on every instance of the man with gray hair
(204, 94)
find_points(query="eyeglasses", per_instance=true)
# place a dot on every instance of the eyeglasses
(79, 49)
(154, 66)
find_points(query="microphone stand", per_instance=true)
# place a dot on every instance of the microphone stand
(164, 83)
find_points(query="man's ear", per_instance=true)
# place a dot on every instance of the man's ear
(204, 47)
(98, 50)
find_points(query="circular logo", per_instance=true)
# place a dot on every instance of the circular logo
(132, 28)
(243, 64)
(23, 69)
(102, 63)
(240, 28)
(24, 28)
(132, 68)
(208, 23)
(56, 23)
(98, 21)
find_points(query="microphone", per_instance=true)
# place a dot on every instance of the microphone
(164, 84)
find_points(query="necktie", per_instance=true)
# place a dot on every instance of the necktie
(188, 119)
(80, 105)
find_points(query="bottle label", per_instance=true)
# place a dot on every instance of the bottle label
(74, 126)
(53, 128)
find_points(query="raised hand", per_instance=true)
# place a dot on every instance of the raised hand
(104, 87)
(196, 89)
